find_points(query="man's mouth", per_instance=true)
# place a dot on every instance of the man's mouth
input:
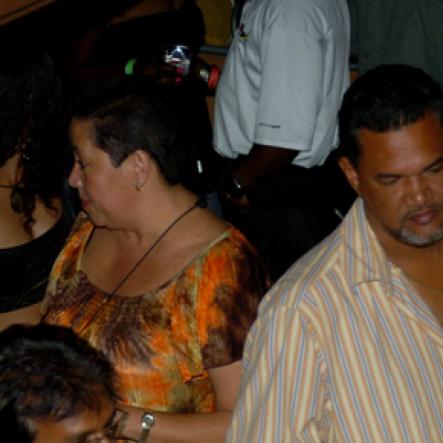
(423, 216)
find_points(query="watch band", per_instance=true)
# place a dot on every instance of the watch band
(147, 422)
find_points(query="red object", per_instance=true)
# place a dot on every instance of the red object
(213, 78)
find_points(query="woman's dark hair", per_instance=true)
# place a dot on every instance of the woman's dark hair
(31, 125)
(48, 372)
(130, 115)
(385, 98)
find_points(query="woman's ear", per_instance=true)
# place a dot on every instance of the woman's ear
(350, 172)
(141, 167)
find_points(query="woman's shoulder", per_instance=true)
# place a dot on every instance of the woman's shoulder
(80, 232)
(231, 242)
(82, 224)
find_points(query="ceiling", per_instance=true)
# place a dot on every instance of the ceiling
(13, 9)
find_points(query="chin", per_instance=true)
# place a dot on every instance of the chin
(420, 240)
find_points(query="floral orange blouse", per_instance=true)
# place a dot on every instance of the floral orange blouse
(162, 343)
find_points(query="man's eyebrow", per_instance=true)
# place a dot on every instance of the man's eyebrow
(383, 175)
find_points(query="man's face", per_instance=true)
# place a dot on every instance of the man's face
(89, 426)
(400, 178)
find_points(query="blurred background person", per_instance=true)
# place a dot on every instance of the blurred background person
(35, 218)
(275, 122)
(150, 276)
(54, 388)
(398, 31)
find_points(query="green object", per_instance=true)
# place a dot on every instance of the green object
(129, 67)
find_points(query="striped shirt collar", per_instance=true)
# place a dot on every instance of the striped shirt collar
(363, 255)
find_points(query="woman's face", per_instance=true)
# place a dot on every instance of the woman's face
(103, 188)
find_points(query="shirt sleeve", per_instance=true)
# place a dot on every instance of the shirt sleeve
(232, 284)
(283, 397)
(291, 91)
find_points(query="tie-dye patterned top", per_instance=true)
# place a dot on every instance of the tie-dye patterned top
(162, 343)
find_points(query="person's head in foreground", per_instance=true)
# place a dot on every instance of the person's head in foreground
(391, 132)
(54, 388)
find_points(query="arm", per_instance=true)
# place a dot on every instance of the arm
(193, 428)
(262, 163)
(282, 397)
(288, 107)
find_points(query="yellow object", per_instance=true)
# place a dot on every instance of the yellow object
(217, 16)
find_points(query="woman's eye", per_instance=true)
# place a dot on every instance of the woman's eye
(80, 164)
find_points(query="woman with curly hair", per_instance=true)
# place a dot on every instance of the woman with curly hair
(33, 222)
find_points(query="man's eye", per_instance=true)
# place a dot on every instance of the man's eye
(388, 181)
(436, 168)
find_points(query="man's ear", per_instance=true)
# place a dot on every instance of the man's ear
(350, 172)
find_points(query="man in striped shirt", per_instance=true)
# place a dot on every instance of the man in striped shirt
(348, 345)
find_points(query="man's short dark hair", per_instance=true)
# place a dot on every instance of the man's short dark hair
(48, 372)
(386, 98)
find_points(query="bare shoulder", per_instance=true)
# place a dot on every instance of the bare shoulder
(205, 227)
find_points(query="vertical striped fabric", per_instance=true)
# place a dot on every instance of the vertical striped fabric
(343, 350)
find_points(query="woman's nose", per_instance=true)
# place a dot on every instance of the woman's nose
(74, 179)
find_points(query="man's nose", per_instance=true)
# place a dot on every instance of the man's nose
(419, 191)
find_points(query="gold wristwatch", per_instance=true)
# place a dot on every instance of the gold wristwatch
(147, 422)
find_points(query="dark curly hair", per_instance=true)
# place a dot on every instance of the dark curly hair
(31, 125)
(48, 372)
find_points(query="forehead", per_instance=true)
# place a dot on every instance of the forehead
(413, 146)
(82, 133)
(74, 429)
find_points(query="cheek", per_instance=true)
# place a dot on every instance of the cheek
(385, 202)
(436, 186)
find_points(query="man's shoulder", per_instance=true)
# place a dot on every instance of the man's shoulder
(332, 269)
(300, 282)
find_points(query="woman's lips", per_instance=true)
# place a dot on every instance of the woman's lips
(84, 203)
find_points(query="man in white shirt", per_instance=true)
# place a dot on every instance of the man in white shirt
(275, 116)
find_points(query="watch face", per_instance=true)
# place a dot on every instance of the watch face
(147, 420)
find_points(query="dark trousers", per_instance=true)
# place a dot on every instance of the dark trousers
(292, 213)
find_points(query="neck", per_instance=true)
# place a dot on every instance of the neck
(155, 211)
(419, 264)
(9, 172)
(425, 256)
(400, 252)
